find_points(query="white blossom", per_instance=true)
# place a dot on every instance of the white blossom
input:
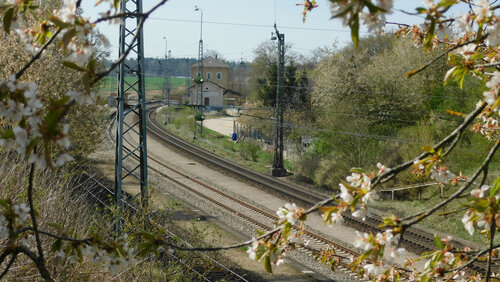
(493, 84)
(22, 213)
(86, 250)
(493, 34)
(468, 50)
(373, 270)
(288, 213)
(360, 213)
(397, 253)
(336, 217)
(252, 250)
(464, 23)
(60, 254)
(345, 194)
(482, 10)
(375, 22)
(479, 193)
(21, 139)
(38, 159)
(81, 97)
(385, 237)
(67, 13)
(442, 175)
(468, 222)
(362, 242)
(63, 159)
(382, 168)
(449, 257)
(80, 54)
(386, 5)
(354, 179)
(429, 4)
(370, 197)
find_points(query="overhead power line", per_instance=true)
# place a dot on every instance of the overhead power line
(252, 25)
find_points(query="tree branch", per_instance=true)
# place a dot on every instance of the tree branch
(396, 170)
(492, 237)
(7, 268)
(36, 259)
(87, 241)
(435, 59)
(101, 75)
(40, 260)
(38, 55)
(483, 167)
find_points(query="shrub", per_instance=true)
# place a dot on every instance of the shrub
(177, 123)
(250, 150)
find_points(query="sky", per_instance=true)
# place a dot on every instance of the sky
(234, 28)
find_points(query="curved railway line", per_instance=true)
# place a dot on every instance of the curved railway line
(250, 214)
(414, 239)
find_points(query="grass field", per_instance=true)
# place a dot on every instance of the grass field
(152, 83)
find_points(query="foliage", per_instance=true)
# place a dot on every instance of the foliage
(250, 150)
(38, 132)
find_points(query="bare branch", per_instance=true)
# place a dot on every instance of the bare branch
(482, 168)
(120, 60)
(40, 261)
(7, 268)
(493, 228)
(38, 55)
(435, 59)
(87, 241)
(395, 170)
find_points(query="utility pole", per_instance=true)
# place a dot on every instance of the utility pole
(169, 74)
(199, 95)
(133, 69)
(166, 86)
(278, 169)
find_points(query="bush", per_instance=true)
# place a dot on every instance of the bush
(229, 146)
(177, 123)
(250, 150)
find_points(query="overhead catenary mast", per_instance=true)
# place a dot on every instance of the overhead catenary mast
(278, 168)
(131, 107)
(199, 94)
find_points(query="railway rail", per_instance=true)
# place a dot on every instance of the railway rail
(249, 213)
(414, 239)
(100, 195)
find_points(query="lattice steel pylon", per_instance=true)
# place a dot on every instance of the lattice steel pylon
(134, 108)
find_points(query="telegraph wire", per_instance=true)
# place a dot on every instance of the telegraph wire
(354, 134)
(253, 25)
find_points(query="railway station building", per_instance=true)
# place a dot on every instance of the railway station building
(215, 91)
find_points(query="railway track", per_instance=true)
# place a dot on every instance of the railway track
(99, 192)
(414, 239)
(252, 215)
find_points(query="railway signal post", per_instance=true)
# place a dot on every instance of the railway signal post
(131, 36)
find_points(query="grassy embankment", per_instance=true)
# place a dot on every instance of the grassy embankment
(247, 153)
(63, 207)
(407, 202)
